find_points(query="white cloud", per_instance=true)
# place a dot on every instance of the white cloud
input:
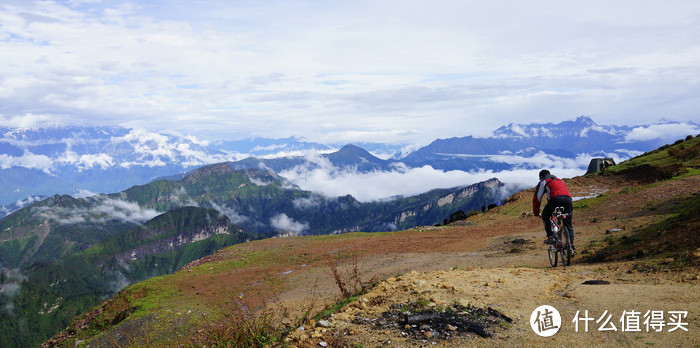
(304, 203)
(409, 181)
(153, 149)
(387, 71)
(626, 154)
(297, 153)
(258, 182)
(662, 131)
(10, 289)
(84, 194)
(231, 213)
(101, 210)
(86, 161)
(542, 160)
(29, 120)
(28, 160)
(287, 226)
(27, 201)
(125, 211)
(324, 178)
(268, 148)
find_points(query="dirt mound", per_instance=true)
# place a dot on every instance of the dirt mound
(376, 320)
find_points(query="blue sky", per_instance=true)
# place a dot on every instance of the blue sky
(347, 71)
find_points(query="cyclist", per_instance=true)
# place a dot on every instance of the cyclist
(558, 196)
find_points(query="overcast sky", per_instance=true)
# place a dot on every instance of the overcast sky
(344, 71)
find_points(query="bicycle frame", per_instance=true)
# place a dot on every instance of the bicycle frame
(561, 244)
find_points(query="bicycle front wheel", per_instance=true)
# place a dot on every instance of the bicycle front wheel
(565, 246)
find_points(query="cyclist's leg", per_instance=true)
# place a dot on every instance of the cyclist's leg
(566, 202)
(546, 216)
(568, 222)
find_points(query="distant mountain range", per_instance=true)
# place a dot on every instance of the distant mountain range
(65, 160)
(58, 160)
(261, 202)
(261, 147)
(511, 145)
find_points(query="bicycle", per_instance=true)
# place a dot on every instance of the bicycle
(562, 244)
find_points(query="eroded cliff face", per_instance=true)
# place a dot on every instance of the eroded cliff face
(466, 193)
(468, 198)
(174, 243)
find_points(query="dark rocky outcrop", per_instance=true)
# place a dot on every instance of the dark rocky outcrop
(599, 164)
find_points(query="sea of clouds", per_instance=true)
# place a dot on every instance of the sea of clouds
(323, 177)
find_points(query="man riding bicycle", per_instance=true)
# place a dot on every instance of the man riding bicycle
(558, 196)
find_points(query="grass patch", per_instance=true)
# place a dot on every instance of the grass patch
(682, 159)
(350, 235)
(666, 155)
(687, 173)
(674, 238)
(594, 244)
(151, 294)
(416, 306)
(589, 202)
(505, 325)
(676, 261)
(239, 327)
(335, 308)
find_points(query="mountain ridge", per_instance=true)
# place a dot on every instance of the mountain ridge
(66, 159)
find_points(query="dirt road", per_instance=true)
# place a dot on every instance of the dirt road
(494, 265)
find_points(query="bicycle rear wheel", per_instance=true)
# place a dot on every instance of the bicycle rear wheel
(553, 255)
(565, 246)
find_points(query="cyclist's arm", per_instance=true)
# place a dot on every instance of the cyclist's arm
(537, 197)
(541, 190)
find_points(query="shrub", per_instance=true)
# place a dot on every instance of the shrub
(472, 213)
(240, 327)
(351, 283)
(683, 153)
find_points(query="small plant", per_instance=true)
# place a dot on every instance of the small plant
(609, 240)
(472, 213)
(418, 305)
(350, 283)
(505, 325)
(240, 327)
(245, 326)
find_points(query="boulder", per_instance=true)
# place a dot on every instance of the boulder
(599, 164)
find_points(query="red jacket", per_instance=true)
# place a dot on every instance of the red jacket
(551, 185)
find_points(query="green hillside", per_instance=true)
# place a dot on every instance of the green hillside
(54, 291)
(65, 254)
(61, 225)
